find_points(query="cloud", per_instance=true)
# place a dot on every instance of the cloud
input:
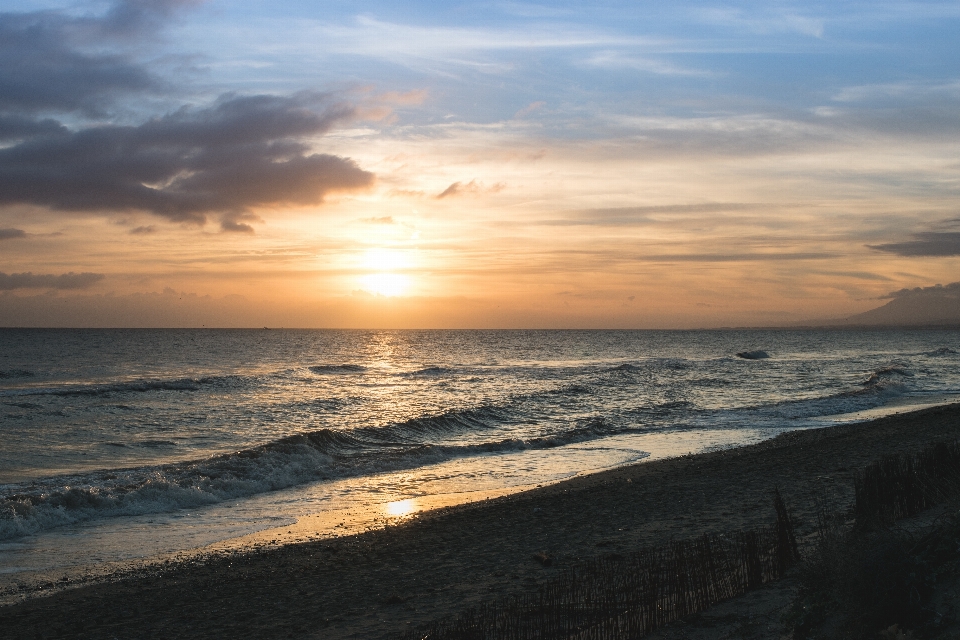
(48, 281)
(895, 93)
(233, 224)
(144, 230)
(11, 233)
(243, 152)
(768, 21)
(472, 187)
(238, 154)
(135, 17)
(381, 220)
(735, 257)
(951, 290)
(394, 41)
(632, 216)
(412, 97)
(924, 244)
(617, 60)
(939, 304)
(530, 108)
(50, 61)
(18, 127)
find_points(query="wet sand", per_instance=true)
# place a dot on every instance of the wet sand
(375, 584)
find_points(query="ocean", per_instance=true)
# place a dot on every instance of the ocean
(118, 445)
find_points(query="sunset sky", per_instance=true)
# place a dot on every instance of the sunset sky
(474, 164)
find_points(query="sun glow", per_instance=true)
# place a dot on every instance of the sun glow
(384, 263)
(386, 284)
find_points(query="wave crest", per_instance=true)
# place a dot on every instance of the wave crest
(757, 354)
(887, 375)
(335, 369)
(130, 386)
(290, 461)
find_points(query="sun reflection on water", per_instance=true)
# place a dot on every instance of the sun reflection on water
(401, 508)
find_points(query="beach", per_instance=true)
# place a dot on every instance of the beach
(379, 583)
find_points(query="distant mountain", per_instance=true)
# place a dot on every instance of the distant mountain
(936, 305)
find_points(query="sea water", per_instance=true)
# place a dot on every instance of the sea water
(121, 444)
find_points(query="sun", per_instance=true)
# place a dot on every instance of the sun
(383, 279)
(386, 284)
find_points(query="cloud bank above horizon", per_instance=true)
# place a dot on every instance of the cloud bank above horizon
(480, 164)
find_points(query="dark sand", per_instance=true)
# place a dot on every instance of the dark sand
(377, 583)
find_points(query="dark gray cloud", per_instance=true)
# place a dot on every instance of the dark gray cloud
(946, 243)
(133, 18)
(240, 153)
(48, 281)
(937, 290)
(50, 61)
(18, 127)
(11, 233)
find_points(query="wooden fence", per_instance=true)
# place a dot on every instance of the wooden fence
(904, 485)
(627, 597)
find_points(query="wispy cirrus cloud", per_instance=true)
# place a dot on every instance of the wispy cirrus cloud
(898, 91)
(612, 59)
(368, 36)
(768, 20)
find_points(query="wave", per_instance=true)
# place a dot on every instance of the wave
(291, 461)
(880, 387)
(328, 369)
(23, 405)
(568, 390)
(430, 371)
(757, 354)
(134, 386)
(942, 351)
(15, 373)
(886, 375)
(650, 365)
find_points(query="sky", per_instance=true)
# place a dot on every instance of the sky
(474, 164)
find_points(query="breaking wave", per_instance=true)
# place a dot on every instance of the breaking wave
(880, 387)
(886, 376)
(318, 455)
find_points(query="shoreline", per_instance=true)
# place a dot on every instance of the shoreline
(441, 561)
(362, 513)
